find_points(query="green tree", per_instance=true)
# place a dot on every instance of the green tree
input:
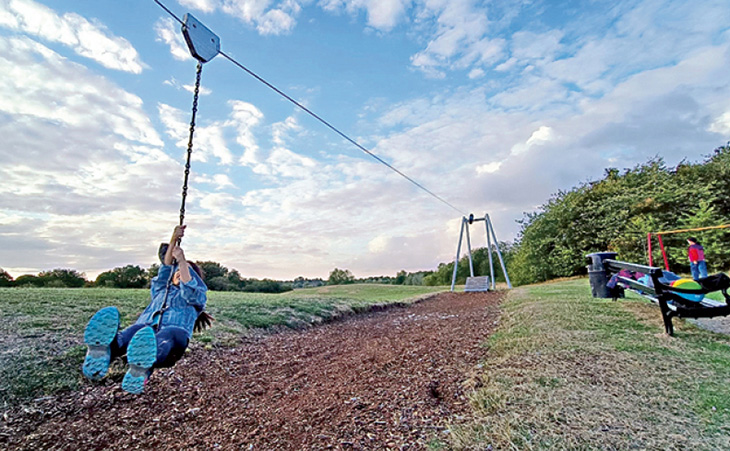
(340, 277)
(220, 283)
(6, 280)
(123, 277)
(69, 278)
(152, 271)
(28, 280)
(212, 269)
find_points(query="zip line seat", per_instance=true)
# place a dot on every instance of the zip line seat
(476, 284)
(671, 302)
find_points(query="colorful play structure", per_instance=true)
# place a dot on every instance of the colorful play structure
(672, 232)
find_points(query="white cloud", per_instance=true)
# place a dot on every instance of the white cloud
(540, 136)
(281, 130)
(84, 175)
(268, 20)
(168, 33)
(218, 203)
(527, 45)
(385, 14)
(489, 168)
(275, 21)
(206, 6)
(287, 163)
(88, 39)
(460, 39)
(71, 95)
(245, 117)
(208, 140)
(721, 125)
(202, 90)
(476, 73)
(381, 14)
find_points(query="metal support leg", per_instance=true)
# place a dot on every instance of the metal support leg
(489, 252)
(468, 246)
(666, 316)
(458, 250)
(499, 253)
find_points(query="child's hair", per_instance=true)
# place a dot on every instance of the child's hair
(693, 240)
(197, 269)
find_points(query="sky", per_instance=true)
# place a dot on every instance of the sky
(491, 105)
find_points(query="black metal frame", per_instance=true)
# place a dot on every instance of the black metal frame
(670, 302)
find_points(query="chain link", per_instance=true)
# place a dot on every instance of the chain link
(190, 141)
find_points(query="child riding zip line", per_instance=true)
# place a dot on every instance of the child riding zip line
(161, 334)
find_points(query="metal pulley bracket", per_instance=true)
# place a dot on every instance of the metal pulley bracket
(204, 45)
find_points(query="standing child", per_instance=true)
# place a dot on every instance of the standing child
(696, 254)
(161, 334)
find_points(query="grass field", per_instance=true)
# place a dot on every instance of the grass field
(41, 329)
(567, 371)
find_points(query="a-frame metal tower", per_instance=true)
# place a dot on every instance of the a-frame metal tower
(465, 223)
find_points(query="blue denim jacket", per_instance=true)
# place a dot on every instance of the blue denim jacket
(184, 302)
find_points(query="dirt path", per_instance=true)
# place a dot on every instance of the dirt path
(385, 380)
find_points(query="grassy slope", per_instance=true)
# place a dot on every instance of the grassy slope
(570, 372)
(41, 329)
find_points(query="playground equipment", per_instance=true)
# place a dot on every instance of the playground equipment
(678, 299)
(672, 232)
(479, 283)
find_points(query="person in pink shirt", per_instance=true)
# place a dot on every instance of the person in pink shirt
(696, 254)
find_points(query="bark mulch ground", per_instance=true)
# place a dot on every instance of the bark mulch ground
(391, 379)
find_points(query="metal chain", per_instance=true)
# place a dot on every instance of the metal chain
(190, 141)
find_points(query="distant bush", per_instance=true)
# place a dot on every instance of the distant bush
(69, 278)
(340, 277)
(6, 280)
(124, 277)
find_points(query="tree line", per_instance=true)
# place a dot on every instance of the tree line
(217, 277)
(344, 276)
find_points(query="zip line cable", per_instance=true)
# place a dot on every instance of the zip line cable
(327, 124)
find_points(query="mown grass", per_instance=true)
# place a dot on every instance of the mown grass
(567, 371)
(41, 329)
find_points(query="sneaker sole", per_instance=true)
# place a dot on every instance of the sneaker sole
(98, 335)
(141, 355)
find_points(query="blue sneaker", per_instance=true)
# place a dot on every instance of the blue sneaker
(98, 336)
(141, 355)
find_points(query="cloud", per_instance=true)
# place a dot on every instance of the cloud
(83, 167)
(267, 19)
(382, 15)
(539, 137)
(460, 39)
(209, 140)
(275, 21)
(202, 90)
(71, 95)
(245, 117)
(206, 6)
(476, 73)
(89, 39)
(168, 33)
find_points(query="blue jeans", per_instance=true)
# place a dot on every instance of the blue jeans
(171, 344)
(699, 269)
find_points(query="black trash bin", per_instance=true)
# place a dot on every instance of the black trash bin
(597, 274)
